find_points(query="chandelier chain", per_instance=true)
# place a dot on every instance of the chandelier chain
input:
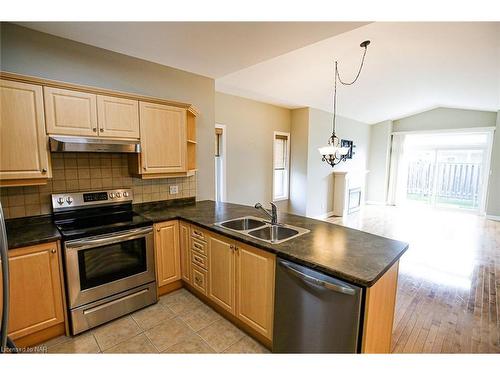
(337, 77)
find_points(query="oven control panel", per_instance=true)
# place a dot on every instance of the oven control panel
(75, 200)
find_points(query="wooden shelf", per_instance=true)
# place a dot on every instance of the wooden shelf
(191, 126)
(191, 156)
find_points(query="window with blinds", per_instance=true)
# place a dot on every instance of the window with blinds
(281, 160)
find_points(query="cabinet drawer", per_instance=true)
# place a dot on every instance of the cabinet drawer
(199, 279)
(199, 247)
(199, 260)
(198, 234)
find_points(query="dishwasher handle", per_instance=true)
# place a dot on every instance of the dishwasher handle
(313, 280)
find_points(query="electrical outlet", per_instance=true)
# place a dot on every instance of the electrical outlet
(174, 189)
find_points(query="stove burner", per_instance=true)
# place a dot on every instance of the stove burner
(85, 214)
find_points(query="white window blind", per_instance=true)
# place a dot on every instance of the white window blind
(280, 165)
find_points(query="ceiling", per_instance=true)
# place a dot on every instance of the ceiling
(212, 49)
(410, 67)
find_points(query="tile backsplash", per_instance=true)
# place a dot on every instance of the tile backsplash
(88, 172)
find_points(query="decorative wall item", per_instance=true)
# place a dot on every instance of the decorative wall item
(350, 145)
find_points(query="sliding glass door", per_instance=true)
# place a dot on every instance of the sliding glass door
(446, 170)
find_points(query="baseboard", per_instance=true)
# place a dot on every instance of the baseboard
(493, 217)
(324, 216)
(376, 203)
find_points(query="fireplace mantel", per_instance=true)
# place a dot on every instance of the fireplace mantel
(348, 191)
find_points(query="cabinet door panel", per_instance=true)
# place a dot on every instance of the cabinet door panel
(23, 143)
(163, 138)
(117, 117)
(221, 276)
(185, 252)
(70, 112)
(255, 288)
(168, 266)
(36, 298)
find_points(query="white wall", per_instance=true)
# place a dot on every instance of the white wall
(320, 174)
(299, 130)
(435, 119)
(493, 200)
(445, 118)
(317, 198)
(250, 127)
(378, 162)
(30, 52)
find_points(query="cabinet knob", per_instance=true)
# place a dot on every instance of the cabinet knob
(53, 251)
(101, 130)
(145, 168)
(231, 247)
(44, 170)
(94, 130)
(157, 229)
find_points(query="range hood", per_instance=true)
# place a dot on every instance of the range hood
(87, 144)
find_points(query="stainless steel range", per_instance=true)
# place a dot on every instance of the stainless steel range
(108, 256)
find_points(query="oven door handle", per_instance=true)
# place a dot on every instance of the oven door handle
(90, 242)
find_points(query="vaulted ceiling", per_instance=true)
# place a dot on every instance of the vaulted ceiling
(409, 67)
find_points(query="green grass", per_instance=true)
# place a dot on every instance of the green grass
(443, 201)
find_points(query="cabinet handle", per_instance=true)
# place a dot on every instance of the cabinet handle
(199, 260)
(94, 130)
(198, 246)
(231, 247)
(53, 251)
(44, 170)
(197, 233)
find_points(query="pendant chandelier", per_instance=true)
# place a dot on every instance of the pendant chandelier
(334, 152)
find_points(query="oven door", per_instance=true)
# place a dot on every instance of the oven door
(101, 266)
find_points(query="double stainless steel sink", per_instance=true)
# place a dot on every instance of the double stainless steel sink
(263, 230)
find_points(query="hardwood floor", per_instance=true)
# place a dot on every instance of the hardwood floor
(449, 278)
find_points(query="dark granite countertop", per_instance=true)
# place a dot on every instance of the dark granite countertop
(352, 255)
(30, 231)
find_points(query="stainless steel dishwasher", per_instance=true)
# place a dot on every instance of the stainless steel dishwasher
(314, 313)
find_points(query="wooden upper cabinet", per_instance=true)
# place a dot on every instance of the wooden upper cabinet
(36, 295)
(255, 288)
(117, 117)
(221, 272)
(167, 252)
(185, 251)
(23, 143)
(70, 112)
(163, 138)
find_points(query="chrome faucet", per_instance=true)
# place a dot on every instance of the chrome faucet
(273, 214)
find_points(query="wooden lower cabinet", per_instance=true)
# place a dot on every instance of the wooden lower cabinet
(238, 280)
(221, 272)
(255, 288)
(167, 252)
(199, 279)
(380, 304)
(36, 291)
(184, 243)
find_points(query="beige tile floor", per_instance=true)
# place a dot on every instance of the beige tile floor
(178, 323)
